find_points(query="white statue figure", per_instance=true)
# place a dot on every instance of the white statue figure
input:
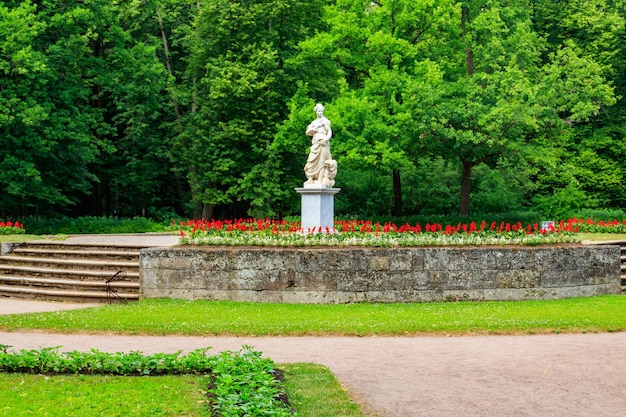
(320, 168)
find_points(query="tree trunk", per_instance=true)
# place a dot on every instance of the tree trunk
(207, 211)
(466, 174)
(397, 194)
(469, 58)
(466, 186)
(168, 65)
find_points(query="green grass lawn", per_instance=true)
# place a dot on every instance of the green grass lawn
(600, 237)
(315, 392)
(166, 316)
(312, 390)
(81, 395)
(25, 238)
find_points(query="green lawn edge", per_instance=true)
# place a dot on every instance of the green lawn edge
(315, 392)
(606, 313)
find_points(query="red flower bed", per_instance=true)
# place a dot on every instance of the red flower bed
(366, 226)
(591, 226)
(11, 228)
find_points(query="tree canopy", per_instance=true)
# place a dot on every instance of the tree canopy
(198, 108)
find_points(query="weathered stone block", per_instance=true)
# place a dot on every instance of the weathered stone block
(353, 282)
(400, 260)
(517, 278)
(378, 263)
(359, 260)
(337, 260)
(211, 260)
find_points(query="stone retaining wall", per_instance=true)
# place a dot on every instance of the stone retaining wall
(343, 275)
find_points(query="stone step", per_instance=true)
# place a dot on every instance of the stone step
(76, 253)
(67, 283)
(59, 270)
(47, 245)
(79, 274)
(62, 295)
(14, 260)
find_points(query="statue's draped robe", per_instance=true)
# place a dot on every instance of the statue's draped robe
(320, 149)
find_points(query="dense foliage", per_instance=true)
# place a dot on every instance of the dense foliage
(91, 224)
(197, 108)
(240, 383)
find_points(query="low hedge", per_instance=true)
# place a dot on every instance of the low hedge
(91, 225)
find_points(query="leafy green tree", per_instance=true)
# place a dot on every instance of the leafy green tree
(90, 89)
(139, 174)
(506, 90)
(379, 50)
(45, 106)
(237, 89)
(473, 81)
(20, 66)
(596, 150)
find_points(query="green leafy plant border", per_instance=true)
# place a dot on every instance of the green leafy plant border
(239, 383)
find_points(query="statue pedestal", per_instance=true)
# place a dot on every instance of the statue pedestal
(318, 208)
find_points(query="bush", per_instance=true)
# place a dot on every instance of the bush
(564, 203)
(512, 217)
(602, 214)
(93, 225)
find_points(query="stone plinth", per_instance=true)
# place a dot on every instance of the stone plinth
(318, 208)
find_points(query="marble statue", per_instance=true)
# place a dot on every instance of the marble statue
(320, 168)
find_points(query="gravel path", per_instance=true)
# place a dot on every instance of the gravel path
(545, 375)
(144, 239)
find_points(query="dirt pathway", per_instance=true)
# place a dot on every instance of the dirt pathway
(548, 375)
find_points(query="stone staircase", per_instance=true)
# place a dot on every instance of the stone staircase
(70, 272)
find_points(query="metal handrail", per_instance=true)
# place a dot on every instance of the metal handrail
(111, 292)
